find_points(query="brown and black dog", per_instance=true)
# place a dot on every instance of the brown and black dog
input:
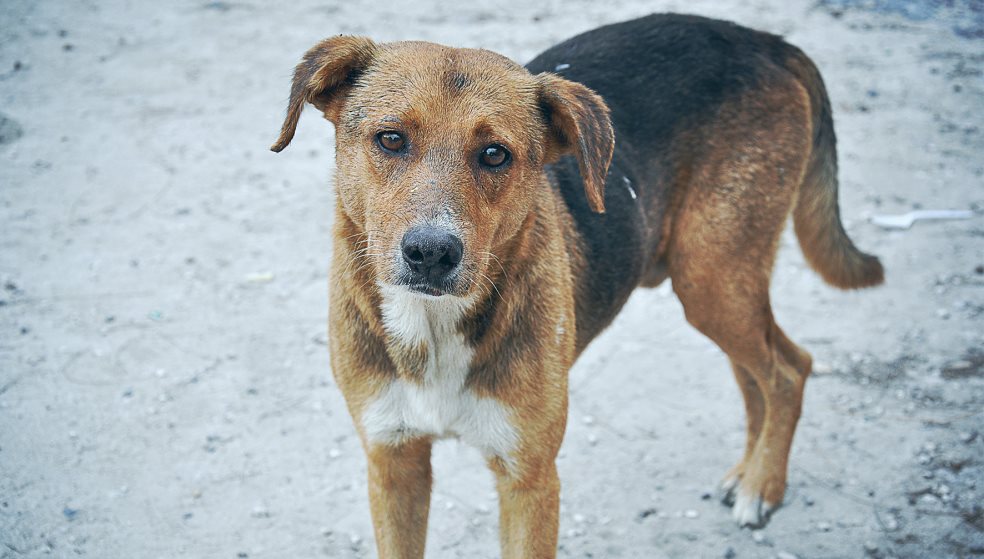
(492, 219)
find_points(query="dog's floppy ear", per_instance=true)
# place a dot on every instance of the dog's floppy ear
(578, 122)
(324, 74)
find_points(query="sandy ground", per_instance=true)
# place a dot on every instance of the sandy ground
(164, 379)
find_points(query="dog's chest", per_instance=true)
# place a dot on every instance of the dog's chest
(439, 404)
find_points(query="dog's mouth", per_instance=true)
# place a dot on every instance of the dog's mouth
(427, 289)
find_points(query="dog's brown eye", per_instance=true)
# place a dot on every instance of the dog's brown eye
(391, 141)
(494, 156)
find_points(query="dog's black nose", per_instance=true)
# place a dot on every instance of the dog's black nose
(431, 252)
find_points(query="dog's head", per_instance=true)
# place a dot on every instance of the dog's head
(440, 151)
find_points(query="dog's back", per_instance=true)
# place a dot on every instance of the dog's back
(665, 78)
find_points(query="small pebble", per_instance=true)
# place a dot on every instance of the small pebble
(729, 553)
(758, 536)
(691, 513)
(260, 511)
(928, 500)
(824, 526)
(334, 453)
(786, 555)
(259, 277)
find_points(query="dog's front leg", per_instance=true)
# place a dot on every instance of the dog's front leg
(399, 496)
(529, 506)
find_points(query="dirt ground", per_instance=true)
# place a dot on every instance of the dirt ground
(164, 379)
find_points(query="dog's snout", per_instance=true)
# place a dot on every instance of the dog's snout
(431, 252)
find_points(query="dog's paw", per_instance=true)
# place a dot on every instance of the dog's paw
(750, 509)
(751, 499)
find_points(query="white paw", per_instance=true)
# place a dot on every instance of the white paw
(750, 510)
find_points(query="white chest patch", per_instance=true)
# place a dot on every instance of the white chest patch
(440, 406)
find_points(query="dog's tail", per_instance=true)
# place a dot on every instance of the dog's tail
(816, 216)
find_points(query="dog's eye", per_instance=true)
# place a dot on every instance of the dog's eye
(494, 156)
(391, 141)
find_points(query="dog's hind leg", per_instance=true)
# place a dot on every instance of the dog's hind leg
(754, 414)
(732, 308)
(721, 252)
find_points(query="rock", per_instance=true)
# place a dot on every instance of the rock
(786, 555)
(729, 553)
(691, 513)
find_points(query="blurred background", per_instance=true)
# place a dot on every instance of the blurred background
(164, 379)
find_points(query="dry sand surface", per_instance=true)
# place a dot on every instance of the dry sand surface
(164, 379)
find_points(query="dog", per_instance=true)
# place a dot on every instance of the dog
(491, 219)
